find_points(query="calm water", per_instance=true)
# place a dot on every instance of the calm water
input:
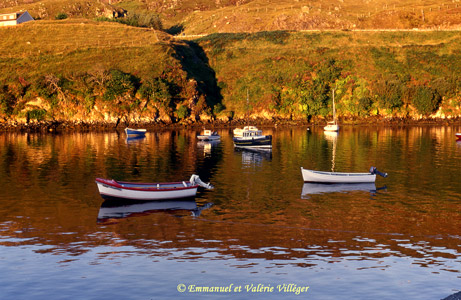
(259, 229)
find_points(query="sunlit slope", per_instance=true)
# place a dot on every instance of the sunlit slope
(294, 72)
(268, 15)
(66, 47)
(209, 16)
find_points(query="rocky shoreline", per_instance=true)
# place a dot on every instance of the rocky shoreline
(79, 126)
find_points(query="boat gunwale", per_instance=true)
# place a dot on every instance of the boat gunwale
(339, 173)
(119, 185)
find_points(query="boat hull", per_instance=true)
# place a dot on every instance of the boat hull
(208, 137)
(111, 189)
(458, 136)
(336, 177)
(135, 132)
(331, 128)
(253, 142)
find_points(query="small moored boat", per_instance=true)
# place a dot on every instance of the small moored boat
(339, 177)
(133, 131)
(332, 125)
(208, 135)
(113, 189)
(458, 135)
(251, 137)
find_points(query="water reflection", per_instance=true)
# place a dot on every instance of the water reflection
(320, 188)
(258, 220)
(134, 139)
(119, 209)
(253, 156)
(208, 146)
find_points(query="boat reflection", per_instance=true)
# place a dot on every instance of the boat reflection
(132, 139)
(331, 135)
(208, 145)
(321, 188)
(119, 209)
(253, 156)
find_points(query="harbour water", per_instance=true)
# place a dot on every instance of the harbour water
(261, 233)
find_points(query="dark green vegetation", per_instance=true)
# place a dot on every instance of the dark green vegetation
(289, 74)
(90, 71)
(113, 73)
(101, 72)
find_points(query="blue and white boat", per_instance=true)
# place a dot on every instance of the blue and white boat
(135, 132)
(251, 137)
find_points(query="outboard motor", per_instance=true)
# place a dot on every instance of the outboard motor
(195, 179)
(373, 170)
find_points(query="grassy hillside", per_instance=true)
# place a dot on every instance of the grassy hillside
(211, 16)
(268, 15)
(49, 9)
(374, 73)
(84, 70)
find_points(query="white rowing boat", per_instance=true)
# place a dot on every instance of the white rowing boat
(109, 188)
(339, 177)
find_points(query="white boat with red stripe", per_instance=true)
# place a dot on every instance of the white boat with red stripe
(113, 189)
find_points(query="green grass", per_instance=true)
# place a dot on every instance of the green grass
(274, 72)
(285, 73)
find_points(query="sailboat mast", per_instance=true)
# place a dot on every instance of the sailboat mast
(334, 110)
(248, 107)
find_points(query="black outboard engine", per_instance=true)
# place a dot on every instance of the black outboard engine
(373, 170)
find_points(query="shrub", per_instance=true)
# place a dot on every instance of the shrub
(389, 94)
(61, 16)
(148, 20)
(120, 84)
(426, 100)
(7, 100)
(365, 104)
(218, 108)
(182, 112)
(36, 114)
(156, 90)
(316, 94)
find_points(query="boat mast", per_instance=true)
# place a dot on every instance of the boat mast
(334, 110)
(248, 107)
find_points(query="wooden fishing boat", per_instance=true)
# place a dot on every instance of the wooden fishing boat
(208, 135)
(339, 177)
(113, 189)
(135, 132)
(251, 137)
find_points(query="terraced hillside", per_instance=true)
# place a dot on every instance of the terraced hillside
(210, 16)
